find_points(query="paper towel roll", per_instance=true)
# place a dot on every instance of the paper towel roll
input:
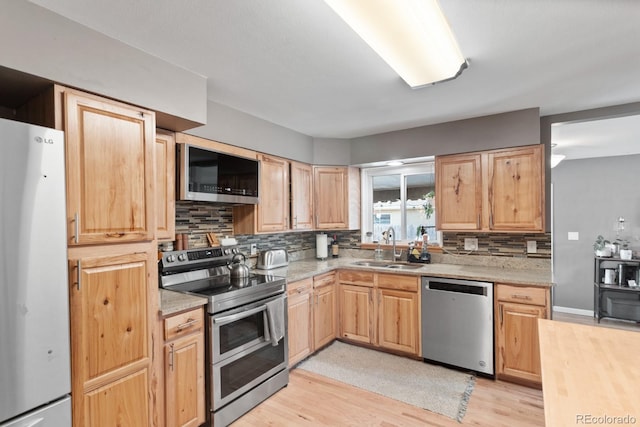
(321, 246)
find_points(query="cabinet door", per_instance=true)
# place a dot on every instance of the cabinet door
(324, 315)
(398, 320)
(301, 196)
(459, 192)
(165, 185)
(273, 209)
(300, 324)
(516, 189)
(110, 165)
(331, 197)
(121, 403)
(109, 329)
(184, 381)
(356, 313)
(518, 347)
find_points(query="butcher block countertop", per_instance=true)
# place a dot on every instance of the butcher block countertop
(590, 374)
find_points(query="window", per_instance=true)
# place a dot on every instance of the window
(400, 197)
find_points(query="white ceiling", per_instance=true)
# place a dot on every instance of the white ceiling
(296, 64)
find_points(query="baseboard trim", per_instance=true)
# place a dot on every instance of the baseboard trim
(570, 310)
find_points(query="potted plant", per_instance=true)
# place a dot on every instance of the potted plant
(625, 252)
(600, 247)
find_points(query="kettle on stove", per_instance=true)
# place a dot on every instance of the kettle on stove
(237, 268)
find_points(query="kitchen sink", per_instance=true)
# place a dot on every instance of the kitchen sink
(388, 264)
(404, 266)
(372, 263)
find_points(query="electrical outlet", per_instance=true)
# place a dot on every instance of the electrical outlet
(254, 249)
(470, 244)
(532, 247)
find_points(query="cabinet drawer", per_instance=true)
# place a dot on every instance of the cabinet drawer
(183, 324)
(523, 295)
(396, 281)
(362, 278)
(300, 286)
(324, 279)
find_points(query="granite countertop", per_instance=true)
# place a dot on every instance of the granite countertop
(298, 270)
(175, 302)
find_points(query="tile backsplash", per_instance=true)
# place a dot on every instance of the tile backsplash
(198, 218)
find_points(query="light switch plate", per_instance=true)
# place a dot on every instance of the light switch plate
(470, 244)
(532, 247)
(573, 235)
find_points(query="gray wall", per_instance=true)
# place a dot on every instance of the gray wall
(225, 124)
(331, 151)
(40, 42)
(483, 133)
(588, 197)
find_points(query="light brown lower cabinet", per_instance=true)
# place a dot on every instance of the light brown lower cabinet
(312, 315)
(184, 369)
(518, 351)
(380, 309)
(324, 310)
(300, 320)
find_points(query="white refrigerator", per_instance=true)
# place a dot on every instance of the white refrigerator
(34, 304)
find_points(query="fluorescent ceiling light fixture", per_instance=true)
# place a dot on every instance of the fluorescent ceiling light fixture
(395, 163)
(556, 158)
(412, 36)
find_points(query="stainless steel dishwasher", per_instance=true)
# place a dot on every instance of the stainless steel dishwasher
(457, 323)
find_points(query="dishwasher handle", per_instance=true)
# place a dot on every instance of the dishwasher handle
(458, 286)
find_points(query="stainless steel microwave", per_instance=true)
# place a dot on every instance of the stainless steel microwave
(210, 176)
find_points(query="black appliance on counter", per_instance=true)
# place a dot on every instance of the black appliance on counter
(246, 330)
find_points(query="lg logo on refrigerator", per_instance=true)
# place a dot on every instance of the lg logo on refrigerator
(43, 140)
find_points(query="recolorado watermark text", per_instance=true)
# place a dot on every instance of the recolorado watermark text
(590, 419)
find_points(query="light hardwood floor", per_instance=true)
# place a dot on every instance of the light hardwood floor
(311, 399)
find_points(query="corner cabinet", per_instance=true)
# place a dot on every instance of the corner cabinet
(518, 309)
(336, 197)
(311, 311)
(110, 170)
(497, 190)
(184, 369)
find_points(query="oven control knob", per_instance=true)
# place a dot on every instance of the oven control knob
(234, 250)
(171, 258)
(227, 251)
(182, 257)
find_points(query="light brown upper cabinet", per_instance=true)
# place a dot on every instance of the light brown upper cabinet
(301, 196)
(165, 185)
(272, 213)
(336, 197)
(459, 192)
(110, 170)
(497, 190)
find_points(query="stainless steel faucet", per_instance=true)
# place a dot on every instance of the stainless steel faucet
(392, 232)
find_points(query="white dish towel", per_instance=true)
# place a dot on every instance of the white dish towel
(275, 319)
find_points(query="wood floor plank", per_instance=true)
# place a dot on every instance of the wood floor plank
(314, 400)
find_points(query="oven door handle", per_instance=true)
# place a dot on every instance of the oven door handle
(238, 316)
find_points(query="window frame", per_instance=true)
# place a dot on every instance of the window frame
(367, 174)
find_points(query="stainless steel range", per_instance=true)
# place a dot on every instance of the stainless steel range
(246, 332)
